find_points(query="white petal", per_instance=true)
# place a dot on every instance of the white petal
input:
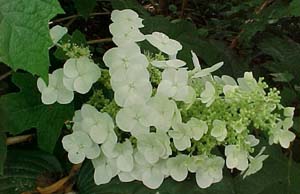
(65, 96)
(125, 177)
(125, 162)
(101, 176)
(195, 60)
(49, 95)
(179, 174)
(69, 83)
(76, 157)
(41, 84)
(243, 164)
(92, 152)
(70, 68)
(182, 144)
(98, 134)
(57, 32)
(151, 155)
(166, 88)
(285, 138)
(231, 162)
(153, 178)
(125, 119)
(203, 179)
(81, 86)
(68, 143)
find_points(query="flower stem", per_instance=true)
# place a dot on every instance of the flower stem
(5, 75)
(102, 40)
(76, 16)
(19, 139)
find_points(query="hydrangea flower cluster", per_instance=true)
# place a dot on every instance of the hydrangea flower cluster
(165, 120)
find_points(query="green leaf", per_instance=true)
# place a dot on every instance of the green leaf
(282, 77)
(24, 110)
(85, 7)
(3, 150)
(295, 8)
(86, 185)
(23, 169)
(285, 54)
(25, 38)
(279, 175)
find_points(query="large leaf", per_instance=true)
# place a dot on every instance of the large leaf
(24, 168)
(279, 175)
(24, 110)
(3, 150)
(285, 54)
(86, 185)
(25, 38)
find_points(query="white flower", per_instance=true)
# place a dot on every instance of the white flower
(198, 72)
(249, 84)
(127, 16)
(282, 136)
(236, 157)
(152, 175)
(161, 112)
(105, 169)
(133, 119)
(173, 63)
(132, 88)
(164, 43)
(122, 152)
(80, 74)
(287, 123)
(124, 33)
(209, 171)
(154, 146)
(181, 136)
(288, 111)
(256, 163)
(79, 145)
(174, 84)
(219, 130)
(228, 80)
(123, 59)
(55, 91)
(125, 156)
(108, 147)
(208, 96)
(57, 32)
(177, 167)
(98, 125)
(198, 128)
(183, 133)
(251, 140)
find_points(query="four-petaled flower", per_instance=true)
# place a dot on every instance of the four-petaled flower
(55, 91)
